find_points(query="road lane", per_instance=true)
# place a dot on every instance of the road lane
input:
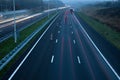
(42, 52)
(109, 50)
(68, 55)
(98, 63)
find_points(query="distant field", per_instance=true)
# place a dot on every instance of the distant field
(110, 34)
(106, 15)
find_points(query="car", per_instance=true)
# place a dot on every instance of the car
(71, 10)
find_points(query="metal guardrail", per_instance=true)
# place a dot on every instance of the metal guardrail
(4, 61)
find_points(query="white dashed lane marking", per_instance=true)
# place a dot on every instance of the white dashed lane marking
(58, 32)
(78, 59)
(56, 41)
(52, 59)
(74, 41)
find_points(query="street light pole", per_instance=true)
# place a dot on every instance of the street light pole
(48, 9)
(15, 32)
(56, 6)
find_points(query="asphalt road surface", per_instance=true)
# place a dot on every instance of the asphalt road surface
(65, 52)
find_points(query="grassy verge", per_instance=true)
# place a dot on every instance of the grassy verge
(7, 67)
(8, 45)
(110, 34)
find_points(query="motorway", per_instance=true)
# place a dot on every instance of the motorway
(65, 52)
(6, 29)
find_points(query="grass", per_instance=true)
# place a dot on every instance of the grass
(25, 33)
(8, 45)
(110, 34)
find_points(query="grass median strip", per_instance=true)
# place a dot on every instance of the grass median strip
(107, 32)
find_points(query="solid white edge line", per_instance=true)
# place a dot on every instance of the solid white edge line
(52, 59)
(10, 78)
(78, 59)
(98, 50)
